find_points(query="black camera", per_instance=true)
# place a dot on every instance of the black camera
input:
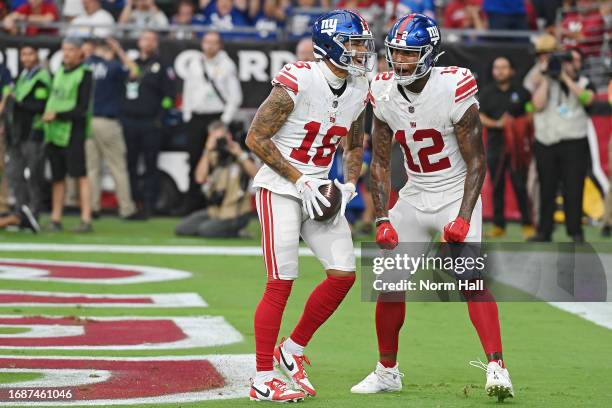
(555, 64)
(223, 154)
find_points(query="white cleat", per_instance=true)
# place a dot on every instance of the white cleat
(380, 380)
(293, 366)
(498, 380)
(274, 390)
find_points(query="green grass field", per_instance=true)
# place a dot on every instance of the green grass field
(556, 359)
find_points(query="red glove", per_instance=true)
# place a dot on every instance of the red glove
(386, 237)
(455, 231)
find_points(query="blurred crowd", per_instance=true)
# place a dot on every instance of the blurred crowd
(266, 18)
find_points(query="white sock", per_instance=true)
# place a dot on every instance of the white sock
(293, 348)
(263, 376)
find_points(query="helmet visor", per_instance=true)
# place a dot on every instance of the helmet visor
(408, 63)
(360, 53)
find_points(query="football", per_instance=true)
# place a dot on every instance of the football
(333, 195)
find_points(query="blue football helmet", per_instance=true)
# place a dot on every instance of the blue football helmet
(413, 33)
(344, 38)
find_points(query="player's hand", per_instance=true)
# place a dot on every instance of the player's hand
(386, 236)
(308, 189)
(456, 231)
(348, 192)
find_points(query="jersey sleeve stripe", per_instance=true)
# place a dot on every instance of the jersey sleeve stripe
(286, 82)
(285, 72)
(467, 78)
(466, 95)
(465, 87)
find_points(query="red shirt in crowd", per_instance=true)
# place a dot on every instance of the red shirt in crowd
(44, 9)
(584, 31)
(456, 14)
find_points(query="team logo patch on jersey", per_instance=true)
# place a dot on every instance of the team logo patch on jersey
(411, 109)
(329, 26)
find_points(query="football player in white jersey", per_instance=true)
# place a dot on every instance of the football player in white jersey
(312, 108)
(433, 114)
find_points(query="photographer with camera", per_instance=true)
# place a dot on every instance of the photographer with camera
(561, 100)
(225, 172)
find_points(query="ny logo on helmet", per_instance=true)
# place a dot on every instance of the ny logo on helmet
(434, 34)
(329, 26)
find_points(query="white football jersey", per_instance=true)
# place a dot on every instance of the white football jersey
(319, 121)
(423, 126)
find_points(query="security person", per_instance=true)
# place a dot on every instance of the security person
(25, 140)
(67, 121)
(149, 90)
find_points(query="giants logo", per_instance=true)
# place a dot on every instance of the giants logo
(329, 26)
(434, 34)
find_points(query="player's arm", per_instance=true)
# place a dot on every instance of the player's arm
(353, 151)
(270, 117)
(469, 137)
(381, 167)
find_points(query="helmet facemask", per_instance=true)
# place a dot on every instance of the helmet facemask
(401, 70)
(359, 55)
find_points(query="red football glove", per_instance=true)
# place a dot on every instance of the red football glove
(386, 237)
(456, 231)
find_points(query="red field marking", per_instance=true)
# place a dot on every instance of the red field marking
(10, 298)
(148, 381)
(130, 379)
(80, 272)
(85, 272)
(96, 332)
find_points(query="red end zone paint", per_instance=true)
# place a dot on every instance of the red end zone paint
(97, 332)
(80, 272)
(6, 298)
(130, 379)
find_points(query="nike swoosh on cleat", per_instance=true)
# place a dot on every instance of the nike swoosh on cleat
(289, 367)
(265, 395)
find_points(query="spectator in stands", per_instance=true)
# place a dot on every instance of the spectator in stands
(302, 17)
(34, 11)
(276, 10)
(113, 6)
(503, 105)
(211, 91)
(107, 142)
(186, 16)
(463, 14)
(6, 84)
(397, 8)
(304, 50)
(72, 9)
(583, 27)
(546, 12)
(224, 171)
(94, 22)
(142, 13)
(3, 10)
(66, 117)
(149, 91)
(561, 100)
(25, 141)
(506, 15)
(223, 15)
(370, 10)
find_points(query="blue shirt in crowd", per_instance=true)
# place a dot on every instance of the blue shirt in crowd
(6, 79)
(504, 6)
(110, 78)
